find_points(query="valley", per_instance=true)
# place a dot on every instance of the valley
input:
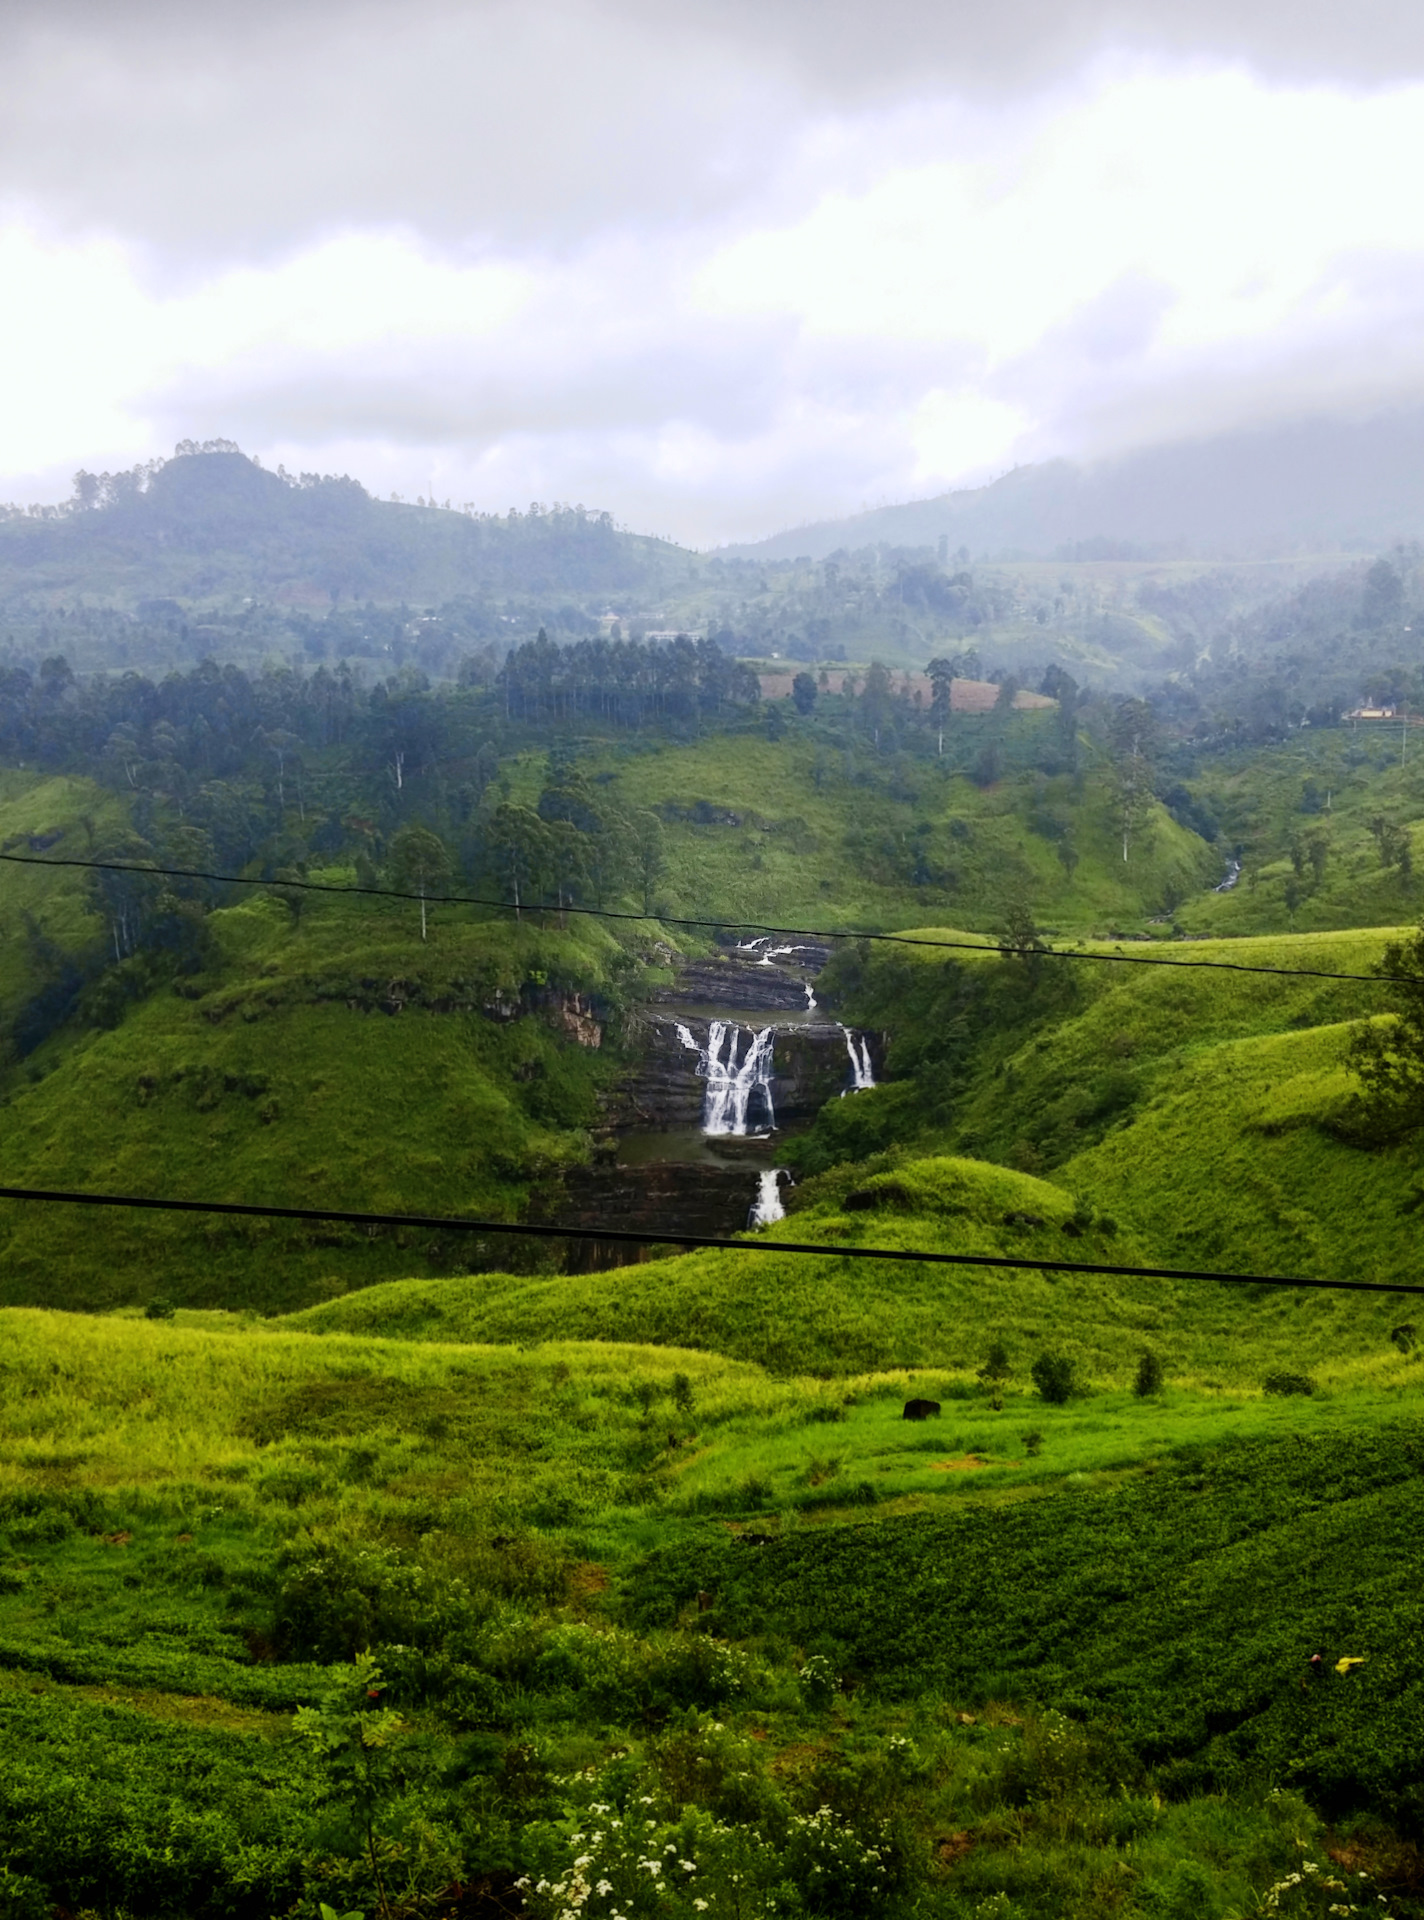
(440, 1575)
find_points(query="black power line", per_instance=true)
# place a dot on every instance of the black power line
(456, 1223)
(726, 926)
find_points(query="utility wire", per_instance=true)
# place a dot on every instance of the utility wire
(460, 1224)
(726, 926)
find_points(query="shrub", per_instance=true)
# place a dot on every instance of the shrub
(1033, 1443)
(1149, 1376)
(1053, 1377)
(159, 1309)
(1285, 1383)
(995, 1373)
(335, 1600)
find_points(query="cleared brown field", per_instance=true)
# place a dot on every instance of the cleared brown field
(965, 696)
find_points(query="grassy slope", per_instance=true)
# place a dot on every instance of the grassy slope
(1257, 797)
(1200, 1109)
(290, 1079)
(159, 1482)
(45, 808)
(799, 1314)
(821, 847)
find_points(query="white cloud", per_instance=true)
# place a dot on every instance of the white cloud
(641, 259)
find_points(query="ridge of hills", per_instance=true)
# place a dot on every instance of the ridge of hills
(1322, 485)
(213, 525)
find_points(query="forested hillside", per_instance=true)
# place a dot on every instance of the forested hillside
(211, 524)
(442, 1574)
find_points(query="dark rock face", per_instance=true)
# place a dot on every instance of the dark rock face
(734, 980)
(666, 1196)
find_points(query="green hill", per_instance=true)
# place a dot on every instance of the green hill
(338, 1062)
(212, 526)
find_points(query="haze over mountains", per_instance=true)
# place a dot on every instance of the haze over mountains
(1311, 485)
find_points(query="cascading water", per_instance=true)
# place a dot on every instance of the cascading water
(767, 1206)
(860, 1065)
(732, 1084)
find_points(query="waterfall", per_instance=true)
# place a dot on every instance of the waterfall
(767, 1206)
(860, 1066)
(732, 1083)
(686, 1038)
(810, 997)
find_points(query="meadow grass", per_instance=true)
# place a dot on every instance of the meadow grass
(338, 1062)
(802, 1313)
(69, 814)
(829, 839)
(170, 1491)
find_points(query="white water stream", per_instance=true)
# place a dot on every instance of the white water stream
(860, 1064)
(733, 1083)
(767, 1206)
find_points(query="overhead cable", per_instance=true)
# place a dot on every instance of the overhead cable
(458, 1223)
(820, 935)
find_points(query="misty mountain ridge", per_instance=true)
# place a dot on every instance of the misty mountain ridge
(211, 525)
(1316, 485)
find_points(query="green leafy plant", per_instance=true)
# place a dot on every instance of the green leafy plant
(1288, 1383)
(1149, 1376)
(1053, 1376)
(995, 1374)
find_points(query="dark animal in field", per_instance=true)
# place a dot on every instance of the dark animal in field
(921, 1409)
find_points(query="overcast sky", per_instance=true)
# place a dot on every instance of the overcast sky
(721, 266)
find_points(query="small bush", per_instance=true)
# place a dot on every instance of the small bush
(1149, 1376)
(1053, 1376)
(996, 1373)
(1033, 1443)
(1286, 1383)
(159, 1309)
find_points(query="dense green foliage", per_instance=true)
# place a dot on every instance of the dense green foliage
(195, 1519)
(469, 1586)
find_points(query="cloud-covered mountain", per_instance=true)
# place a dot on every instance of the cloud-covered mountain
(1312, 486)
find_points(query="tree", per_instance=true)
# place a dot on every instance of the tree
(877, 701)
(648, 858)
(942, 674)
(803, 692)
(1149, 1376)
(521, 852)
(1386, 1054)
(1053, 1376)
(995, 1374)
(1383, 601)
(418, 863)
(1132, 735)
(1020, 939)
